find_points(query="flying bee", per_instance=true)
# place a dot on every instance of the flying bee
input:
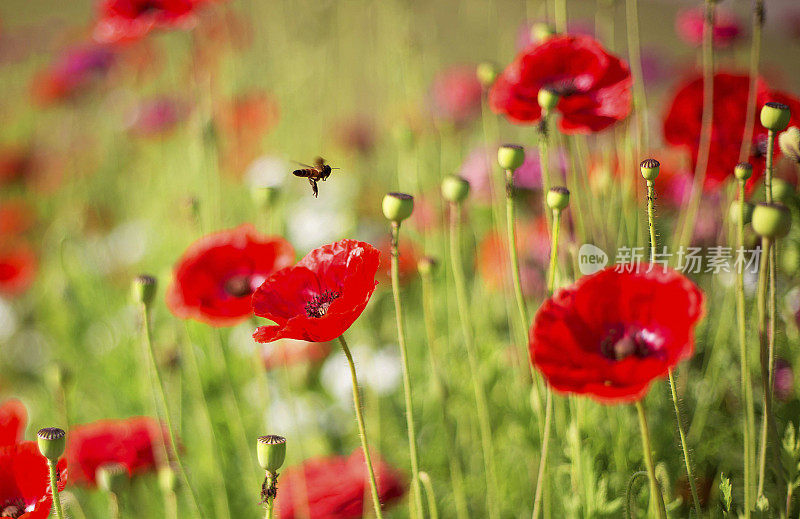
(319, 172)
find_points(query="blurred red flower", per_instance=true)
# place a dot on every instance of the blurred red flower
(129, 20)
(243, 123)
(689, 26)
(16, 217)
(17, 267)
(457, 94)
(683, 123)
(214, 280)
(130, 442)
(15, 164)
(611, 333)
(407, 260)
(533, 243)
(13, 418)
(335, 487)
(319, 298)
(595, 86)
(72, 73)
(289, 352)
(25, 482)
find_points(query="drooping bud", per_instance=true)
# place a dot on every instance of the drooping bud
(510, 156)
(271, 450)
(548, 99)
(397, 206)
(52, 442)
(789, 142)
(735, 212)
(487, 74)
(427, 266)
(771, 220)
(649, 169)
(455, 188)
(775, 116)
(541, 32)
(144, 289)
(558, 198)
(743, 171)
(113, 477)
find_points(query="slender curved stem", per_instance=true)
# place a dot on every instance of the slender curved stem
(426, 482)
(755, 58)
(655, 490)
(482, 409)
(53, 468)
(522, 306)
(113, 506)
(159, 387)
(401, 339)
(362, 429)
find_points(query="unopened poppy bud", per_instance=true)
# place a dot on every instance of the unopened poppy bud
(113, 477)
(397, 206)
(455, 188)
(427, 265)
(771, 220)
(775, 116)
(541, 32)
(558, 198)
(789, 142)
(790, 257)
(144, 289)
(510, 156)
(782, 191)
(52, 442)
(735, 212)
(547, 99)
(649, 169)
(265, 196)
(57, 377)
(167, 479)
(743, 171)
(271, 450)
(487, 73)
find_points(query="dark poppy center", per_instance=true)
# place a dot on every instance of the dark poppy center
(13, 508)
(318, 305)
(620, 343)
(146, 7)
(759, 149)
(239, 286)
(563, 87)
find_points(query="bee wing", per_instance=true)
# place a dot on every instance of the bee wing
(319, 162)
(303, 164)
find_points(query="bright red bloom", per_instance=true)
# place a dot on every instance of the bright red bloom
(13, 418)
(130, 442)
(319, 298)
(595, 86)
(25, 482)
(17, 267)
(289, 352)
(215, 278)
(335, 487)
(683, 124)
(611, 333)
(128, 20)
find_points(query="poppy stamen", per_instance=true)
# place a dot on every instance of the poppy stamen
(318, 305)
(239, 286)
(620, 344)
(13, 508)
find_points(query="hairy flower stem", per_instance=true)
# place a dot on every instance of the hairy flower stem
(655, 490)
(755, 58)
(548, 413)
(269, 503)
(401, 339)
(651, 221)
(362, 429)
(482, 409)
(52, 466)
(748, 423)
(159, 387)
(704, 147)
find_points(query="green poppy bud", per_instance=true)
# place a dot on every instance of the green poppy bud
(649, 169)
(52, 442)
(427, 266)
(487, 74)
(510, 156)
(790, 257)
(455, 188)
(541, 32)
(775, 116)
(397, 206)
(735, 211)
(743, 171)
(547, 99)
(771, 220)
(144, 289)
(265, 196)
(782, 191)
(789, 142)
(271, 450)
(558, 198)
(113, 478)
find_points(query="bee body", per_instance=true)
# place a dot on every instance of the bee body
(317, 173)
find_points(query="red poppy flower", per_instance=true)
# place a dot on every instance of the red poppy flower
(128, 20)
(25, 482)
(319, 298)
(289, 352)
(611, 333)
(130, 442)
(17, 267)
(13, 418)
(335, 487)
(683, 123)
(215, 278)
(595, 86)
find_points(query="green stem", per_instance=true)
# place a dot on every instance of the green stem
(401, 339)
(362, 429)
(755, 57)
(655, 490)
(426, 482)
(52, 465)
(482, 408)
(113, 506)
(159, 387)
(560, 16)
(634, 50)
(170, 505)
(651, 218)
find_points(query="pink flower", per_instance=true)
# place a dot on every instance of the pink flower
(156, 116)
(457, 94)
(689, 26)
